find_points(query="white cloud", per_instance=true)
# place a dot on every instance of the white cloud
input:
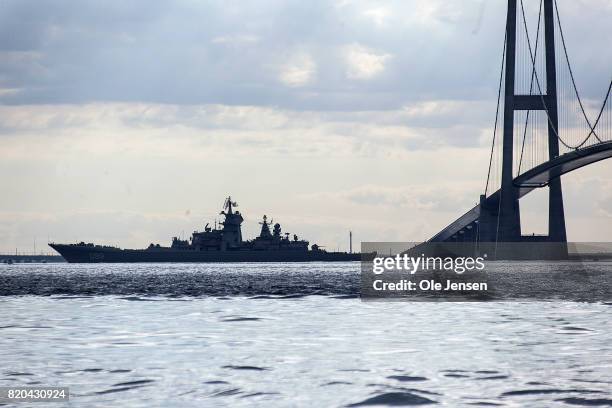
(443, 196)
(335, 169)
(9, 91)
(234, 101)
(299, 71)
(236, 39)
(377, 15)
(363, 63)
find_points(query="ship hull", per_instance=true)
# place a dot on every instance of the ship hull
(95, 254)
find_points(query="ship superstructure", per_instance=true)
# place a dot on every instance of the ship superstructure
(229, 236)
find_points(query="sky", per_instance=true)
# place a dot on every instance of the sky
(126, 123)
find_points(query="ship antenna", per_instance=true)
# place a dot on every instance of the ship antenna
(228, 204)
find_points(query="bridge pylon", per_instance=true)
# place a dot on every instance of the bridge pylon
(501, 221)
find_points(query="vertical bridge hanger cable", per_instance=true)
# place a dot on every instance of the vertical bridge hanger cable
(533, 74)
(592, 128)
(569, 66)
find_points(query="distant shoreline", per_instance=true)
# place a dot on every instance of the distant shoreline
(594, 256)
(5, 258)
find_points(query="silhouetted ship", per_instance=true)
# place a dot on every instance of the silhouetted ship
(213, 245)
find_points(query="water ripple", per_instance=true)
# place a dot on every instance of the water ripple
(394, 398)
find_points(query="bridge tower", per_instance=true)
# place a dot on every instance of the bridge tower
(509, 223)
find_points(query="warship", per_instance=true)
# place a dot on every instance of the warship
(224, 244)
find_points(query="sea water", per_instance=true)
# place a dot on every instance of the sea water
(189, 335)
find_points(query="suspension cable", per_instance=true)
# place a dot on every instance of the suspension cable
(569, 66)
(533, 72)
(603, 106)
(552, 125)
(501, 77)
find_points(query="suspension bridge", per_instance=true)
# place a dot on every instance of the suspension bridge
(547, 130)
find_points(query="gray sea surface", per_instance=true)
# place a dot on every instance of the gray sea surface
(187, 335)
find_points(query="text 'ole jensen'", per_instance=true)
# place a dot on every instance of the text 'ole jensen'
(427, 285)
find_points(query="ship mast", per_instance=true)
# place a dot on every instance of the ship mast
(231, 232)
(228, 205)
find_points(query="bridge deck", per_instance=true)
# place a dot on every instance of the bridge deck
(538, 177)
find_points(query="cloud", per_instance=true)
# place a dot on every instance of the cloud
(299, 71)
(236, 39)
(415, 127)
(143, 106)
(603, 200)
(363, 63)
(212, 53)
(92, 226)
(441, 197)
(605, 205)
(378, 15)
(9, 91)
